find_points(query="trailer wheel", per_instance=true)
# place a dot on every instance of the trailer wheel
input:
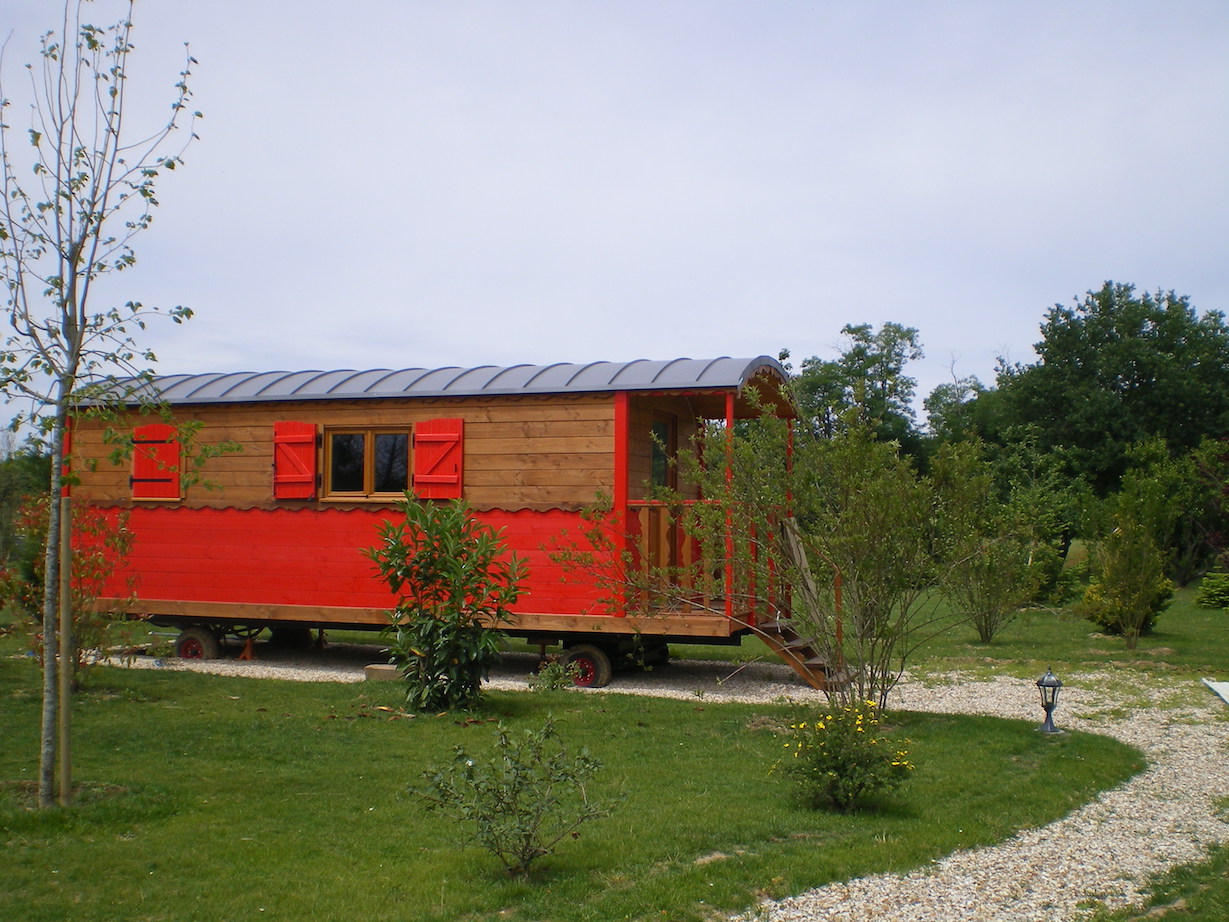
(197, 643)
(593, 669)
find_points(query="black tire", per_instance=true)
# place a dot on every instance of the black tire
(593, 668)
(197, 643)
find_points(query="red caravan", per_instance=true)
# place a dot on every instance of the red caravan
(325, 455)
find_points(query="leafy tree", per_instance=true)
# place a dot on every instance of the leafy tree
(455, 580)
(1128, 589)
(951, 409)
(998, 551)
(1187, 515)
(870, 375)
(1115, 369)
(23, 473)
(848, 507)
(77, 189)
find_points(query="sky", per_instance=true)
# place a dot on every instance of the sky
(401, 183)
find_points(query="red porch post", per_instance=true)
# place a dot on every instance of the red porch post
(622, 435)
(729, 517)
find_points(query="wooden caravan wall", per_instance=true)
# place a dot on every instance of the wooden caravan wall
(537, 453)
(643, 411)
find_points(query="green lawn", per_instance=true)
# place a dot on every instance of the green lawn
(211, 798)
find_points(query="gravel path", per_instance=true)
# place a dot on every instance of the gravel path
(1100, 855)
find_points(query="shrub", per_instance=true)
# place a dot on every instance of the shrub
(840, 759)
(455, 580)
(1214, 591)
(554, 674)
(522, 801)
(1129, 589)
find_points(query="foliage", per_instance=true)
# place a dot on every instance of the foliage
(1187, 511)
(839, 759)
(554, 674)
(522, 801)
(950, 409)
(23, 473)
(848, 506)
(998, 556)
(1214, 591)
(1128, 588)
(455, 581)
(76, 190)
(868, 375)
(101, 543)
(1115, 369)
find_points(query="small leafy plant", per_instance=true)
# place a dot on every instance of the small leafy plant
(456, 581)
(1214, 591)
(554, 674)
(840, 758)
(523, 800)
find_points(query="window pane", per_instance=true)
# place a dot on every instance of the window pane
(346, 463)
(392, 462)
(663, 445)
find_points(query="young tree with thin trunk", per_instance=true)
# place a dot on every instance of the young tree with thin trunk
(78, 185)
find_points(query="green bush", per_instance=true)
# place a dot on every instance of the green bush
(554, 674)
(455, 580)
(1214, 591)
(522, 801)
(840, 759)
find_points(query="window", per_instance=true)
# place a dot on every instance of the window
(367, 462)
(664, 452)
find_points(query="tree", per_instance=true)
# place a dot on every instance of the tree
(75, 195)
(998, 552)
(1115, 369)
(869, 375)
(848, 508)
(23, 473)
(950, 409)
(1187, 518)
(1128, 589)
(455, 580)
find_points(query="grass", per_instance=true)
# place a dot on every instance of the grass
(212, 798)
(1189, 642)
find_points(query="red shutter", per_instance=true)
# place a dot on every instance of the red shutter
(155, 462)
(294, 460)
(438, 451)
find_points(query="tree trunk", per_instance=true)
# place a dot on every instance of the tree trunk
(51, 595)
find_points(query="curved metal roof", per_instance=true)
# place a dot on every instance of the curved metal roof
(640, 375)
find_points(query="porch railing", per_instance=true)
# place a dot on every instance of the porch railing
(734, 577)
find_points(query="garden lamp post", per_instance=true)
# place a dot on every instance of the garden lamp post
(1049, 685)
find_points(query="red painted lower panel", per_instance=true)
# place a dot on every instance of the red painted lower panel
(314, 557)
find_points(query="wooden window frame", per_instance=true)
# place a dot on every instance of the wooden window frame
(369, 434)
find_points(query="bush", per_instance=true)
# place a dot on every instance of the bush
(526, 798)
(1129, 588)
(1214, 591)
(455, 580)
(554, 674)
(839, 759)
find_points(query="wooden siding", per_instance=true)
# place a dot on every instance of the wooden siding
(520, 452)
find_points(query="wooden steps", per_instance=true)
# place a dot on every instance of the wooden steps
(801, 655)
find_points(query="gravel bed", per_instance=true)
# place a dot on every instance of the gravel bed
(1100, 855)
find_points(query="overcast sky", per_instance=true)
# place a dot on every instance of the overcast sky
(396, 183)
